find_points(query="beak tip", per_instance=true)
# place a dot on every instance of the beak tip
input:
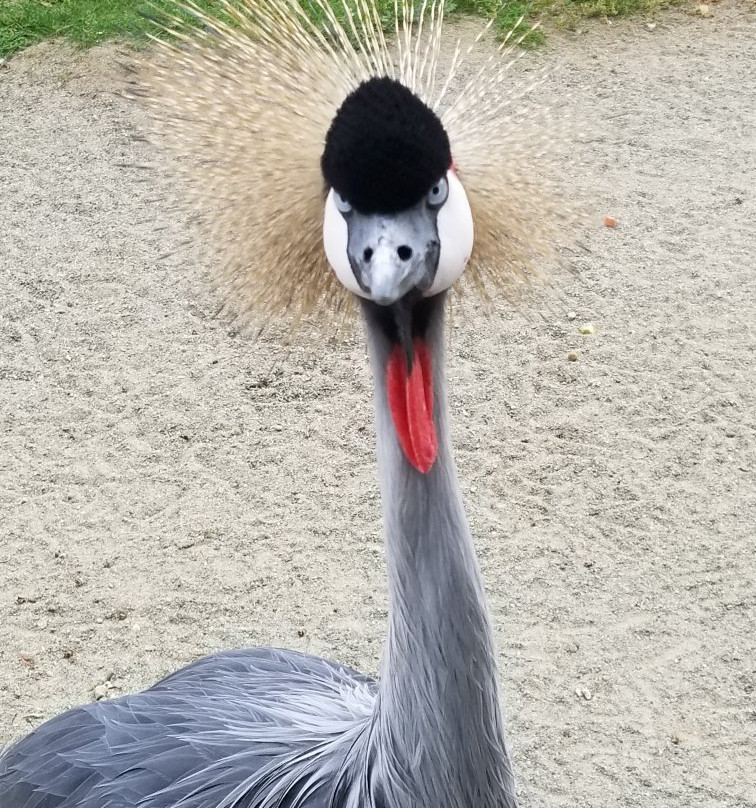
(386, 287)
(383, 300)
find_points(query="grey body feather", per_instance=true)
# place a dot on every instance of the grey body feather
(262, 727)
(276, 729)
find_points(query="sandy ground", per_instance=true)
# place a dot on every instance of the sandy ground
(169, 487)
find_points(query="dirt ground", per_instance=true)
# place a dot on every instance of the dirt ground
(170, 487)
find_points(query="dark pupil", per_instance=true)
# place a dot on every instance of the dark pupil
(435, 190)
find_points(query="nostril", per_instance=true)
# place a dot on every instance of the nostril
(367, 255)
(405, 252)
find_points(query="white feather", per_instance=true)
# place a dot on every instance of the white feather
(456, 234)
(335, 241)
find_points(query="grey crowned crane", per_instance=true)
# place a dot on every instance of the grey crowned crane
(301, 147)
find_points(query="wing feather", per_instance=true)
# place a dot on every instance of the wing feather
(260, 728)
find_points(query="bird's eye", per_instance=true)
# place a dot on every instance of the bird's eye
(438, 193)
(341, 204)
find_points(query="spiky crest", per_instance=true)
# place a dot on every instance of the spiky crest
(243, 106)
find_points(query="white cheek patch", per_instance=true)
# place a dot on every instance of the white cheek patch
(335, 241)
(455, 233)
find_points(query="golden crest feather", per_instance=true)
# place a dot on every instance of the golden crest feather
(242, 106)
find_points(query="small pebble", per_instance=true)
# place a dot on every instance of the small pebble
(572, 356)
(571, 315)
(100, 692)
(586, 328)
(610, 221)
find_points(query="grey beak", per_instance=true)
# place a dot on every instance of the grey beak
(391, 254)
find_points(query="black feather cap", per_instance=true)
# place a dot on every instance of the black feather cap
(385, 148)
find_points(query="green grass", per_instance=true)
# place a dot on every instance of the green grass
(82, 22)
(568, 13)
(87, 22)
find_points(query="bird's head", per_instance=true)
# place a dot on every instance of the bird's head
(398, 231)
(397, 219)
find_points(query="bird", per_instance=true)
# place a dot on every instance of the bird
(326, 168)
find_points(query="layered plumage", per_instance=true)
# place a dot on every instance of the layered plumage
(265, 728)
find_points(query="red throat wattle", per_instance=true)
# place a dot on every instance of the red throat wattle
(410, 398)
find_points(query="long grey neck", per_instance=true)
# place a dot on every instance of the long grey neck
(437, 734)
